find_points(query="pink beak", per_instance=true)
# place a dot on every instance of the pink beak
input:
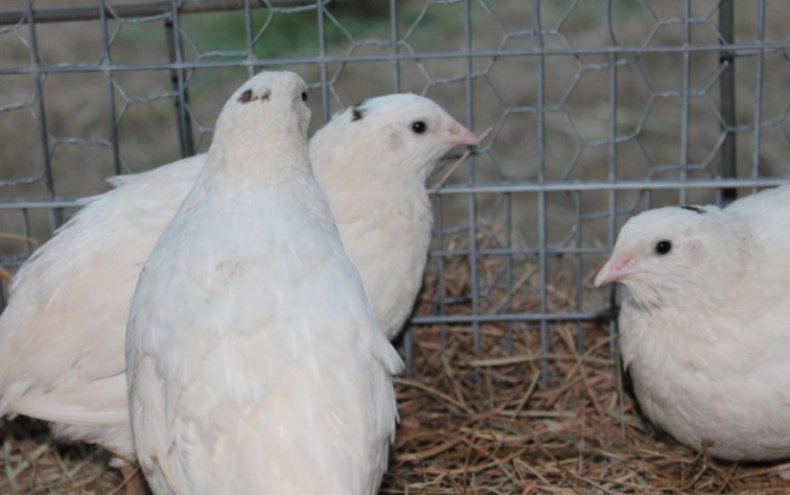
(461, 136)
(614, 270)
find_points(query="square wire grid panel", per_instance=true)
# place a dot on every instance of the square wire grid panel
(599, 109)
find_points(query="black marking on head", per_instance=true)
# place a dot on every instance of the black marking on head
(356, 112)
(266, 96)
(246, 96)
(694, 208)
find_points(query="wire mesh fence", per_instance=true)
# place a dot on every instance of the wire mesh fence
(599, 108)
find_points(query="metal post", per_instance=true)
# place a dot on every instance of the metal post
(613, 328)
(542, 203)
(107, 61)
(175, 54)
(395, 45)
(758, 91)
(319, 6)
(727, 98)
(472, 205)
(56, 217)
(685, 100)
(248, 36)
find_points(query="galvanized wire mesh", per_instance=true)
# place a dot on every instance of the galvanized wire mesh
(599, 108)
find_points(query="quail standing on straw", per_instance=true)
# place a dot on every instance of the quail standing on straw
(254, 361)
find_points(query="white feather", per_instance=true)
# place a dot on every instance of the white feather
(705, 329)
(65, 324)
(255, 361)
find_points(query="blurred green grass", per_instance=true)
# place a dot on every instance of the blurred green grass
(295, 34)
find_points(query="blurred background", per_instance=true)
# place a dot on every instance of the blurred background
(580, 95)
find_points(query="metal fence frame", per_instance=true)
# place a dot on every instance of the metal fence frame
(169, 13)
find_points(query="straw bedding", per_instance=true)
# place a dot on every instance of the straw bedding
(475, 422)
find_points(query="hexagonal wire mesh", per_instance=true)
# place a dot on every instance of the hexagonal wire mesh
(599, 109)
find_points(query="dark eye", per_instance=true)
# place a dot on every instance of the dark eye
(304, 95)
(419, 127)
(663, 247)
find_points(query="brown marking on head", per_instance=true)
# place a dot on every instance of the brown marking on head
(697, 209)
(246, 96)
(249, 96)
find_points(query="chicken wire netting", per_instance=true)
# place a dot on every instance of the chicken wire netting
(599, 109)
